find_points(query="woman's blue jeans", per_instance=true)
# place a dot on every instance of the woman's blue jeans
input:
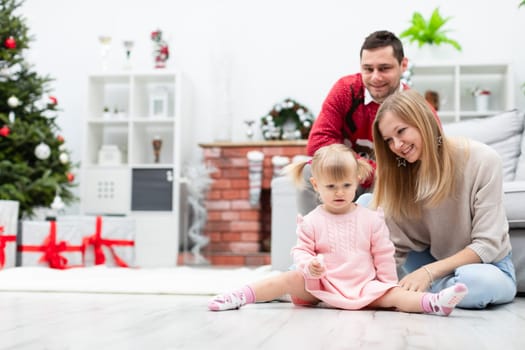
(493, 283)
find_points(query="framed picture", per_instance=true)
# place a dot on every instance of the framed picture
(158, 101)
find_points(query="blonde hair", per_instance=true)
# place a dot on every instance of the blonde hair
(403, 191)
(334, 162)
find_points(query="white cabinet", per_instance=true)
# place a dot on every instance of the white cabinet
(128, 114)
(454, 82)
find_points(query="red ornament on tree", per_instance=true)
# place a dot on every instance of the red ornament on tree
(4, 131)
(60, 138)
(53, 100)
(70, 177)
(10, 43)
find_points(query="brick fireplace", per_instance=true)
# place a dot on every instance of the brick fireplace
(240, 231)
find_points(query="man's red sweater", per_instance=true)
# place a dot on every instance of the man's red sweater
(344, 118)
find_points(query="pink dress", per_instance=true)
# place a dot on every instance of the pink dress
(358, 256)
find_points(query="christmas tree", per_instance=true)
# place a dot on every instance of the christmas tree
(35, 167)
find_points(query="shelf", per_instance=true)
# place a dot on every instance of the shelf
(108, 121)
(129, 110)
(155, 120)
(147, 107)
(151, 165)
(454, 82)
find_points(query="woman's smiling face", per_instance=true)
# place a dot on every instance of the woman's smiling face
(403, 139)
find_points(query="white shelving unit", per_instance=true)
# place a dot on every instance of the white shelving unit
(149, 106)
(454, 83)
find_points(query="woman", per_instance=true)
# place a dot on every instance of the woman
(442, 200)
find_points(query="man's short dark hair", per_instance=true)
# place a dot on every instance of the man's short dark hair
(383, 38)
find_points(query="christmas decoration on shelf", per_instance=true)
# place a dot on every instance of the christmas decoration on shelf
(160, 49)
(157, 145)
(105, 47)
(128, 45)
(32, 157)
(432, 98)
(288, 120)
(249, 128)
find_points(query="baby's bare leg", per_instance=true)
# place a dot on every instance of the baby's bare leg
(290, 282)
(441, 303)
(401, 299)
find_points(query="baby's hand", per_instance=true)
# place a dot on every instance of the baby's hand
(320, 259)
(317, 267)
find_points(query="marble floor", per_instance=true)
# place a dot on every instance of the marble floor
(30, 320)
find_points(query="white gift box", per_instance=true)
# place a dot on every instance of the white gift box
(109, 155)
(107, 240)
(8, 231)
(50, 244)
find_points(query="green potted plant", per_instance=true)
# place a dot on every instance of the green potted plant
(429, 32)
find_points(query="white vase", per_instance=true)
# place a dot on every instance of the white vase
(482, 103)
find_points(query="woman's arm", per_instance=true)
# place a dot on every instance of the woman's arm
(421, 279)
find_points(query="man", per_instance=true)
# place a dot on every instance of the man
(349, 110)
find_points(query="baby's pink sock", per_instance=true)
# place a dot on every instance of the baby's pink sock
(232, 300)
(249, 293)
(445, 301)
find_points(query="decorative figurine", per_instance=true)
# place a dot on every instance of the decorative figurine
(105, 46)
(157, 145)
(128, 46)
(160, 49)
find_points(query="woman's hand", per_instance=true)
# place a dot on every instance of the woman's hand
(421, 279)
(418, 280)
(316, 267)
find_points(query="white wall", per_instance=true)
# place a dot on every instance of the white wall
(263, 50)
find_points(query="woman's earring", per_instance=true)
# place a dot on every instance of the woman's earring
(401, 162)
(439, 140)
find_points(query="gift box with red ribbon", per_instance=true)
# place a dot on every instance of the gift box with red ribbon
(106, 240)
(8, 231)
(50, 244)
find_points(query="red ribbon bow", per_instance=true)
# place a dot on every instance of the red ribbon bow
(97, 242)
(3, 240)
(51, 249)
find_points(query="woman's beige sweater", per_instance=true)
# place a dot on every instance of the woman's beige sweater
(474, 218)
